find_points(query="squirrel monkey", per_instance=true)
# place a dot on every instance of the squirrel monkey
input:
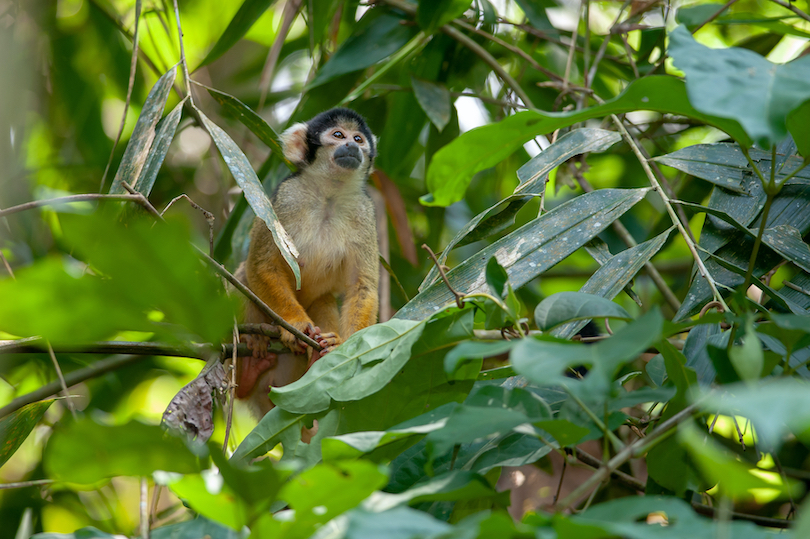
(326, 210)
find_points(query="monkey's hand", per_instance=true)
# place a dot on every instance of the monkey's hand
(327, 341)
(292, 342)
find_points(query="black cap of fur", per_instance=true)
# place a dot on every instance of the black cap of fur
(332, 118)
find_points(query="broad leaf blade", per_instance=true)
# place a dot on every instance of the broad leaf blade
(565, 307)
(246, 177)
(434, 98)
(455, 164)
(136, 153)
(530, 250)
(741, 85)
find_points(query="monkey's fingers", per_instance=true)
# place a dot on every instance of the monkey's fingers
(258, 345)
(329, 341)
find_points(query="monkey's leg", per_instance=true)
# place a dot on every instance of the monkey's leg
(360, 305)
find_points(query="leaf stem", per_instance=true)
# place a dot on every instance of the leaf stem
(617, 444)
(668, 205)
(186, 77)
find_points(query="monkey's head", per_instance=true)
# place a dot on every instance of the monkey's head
(337, 140)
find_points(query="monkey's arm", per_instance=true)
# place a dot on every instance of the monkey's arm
(360, 303)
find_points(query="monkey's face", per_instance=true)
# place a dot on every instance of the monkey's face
(347, 144)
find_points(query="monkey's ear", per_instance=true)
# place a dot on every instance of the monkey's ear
(294, 142)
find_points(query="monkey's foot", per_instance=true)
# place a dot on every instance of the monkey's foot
(295, 345)
(250, 370)
(327, 341)
(258, 344)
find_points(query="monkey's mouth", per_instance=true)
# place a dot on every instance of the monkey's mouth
(348, 157)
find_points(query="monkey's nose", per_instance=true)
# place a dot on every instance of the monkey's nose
(348, 156)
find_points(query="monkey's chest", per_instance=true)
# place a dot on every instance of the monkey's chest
(325, 240)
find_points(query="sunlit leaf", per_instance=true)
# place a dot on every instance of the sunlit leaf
(249, 12)
(160, 147)
(741, 85)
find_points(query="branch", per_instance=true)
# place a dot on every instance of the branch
(67, 199)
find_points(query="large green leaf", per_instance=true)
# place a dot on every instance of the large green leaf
(455, 485)
(741, 85)
(160, 147)
(568, 306)
(362, 365)
(246, 178)
(532, 178)
(16, 427)
(86, 452)
(249, 12)
(530, 250)
(199, 527)
(433, 14)
(378, 35)
(454, 165)
(137, 151)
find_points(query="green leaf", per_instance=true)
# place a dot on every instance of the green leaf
(272, 428)
(533, 177)
(455, 164)
(433, 14)
(86, 452)
(530, 250)
(137, 151)
(378, 35)
(567, 306)
(748, 359)
(398, 523)
(615, 275)
(213, 500)
(536, 13)
(328, 490)
(741, 85)
(434, 98)
(83, 533)
(453, 486)
(160, 147)
(249, 12)
(15, 427)
(566, 433)
(787, 241)
(776, 408)
(251, 120)
(246, 177)
(733, 478)
(362, 365)
(199, 527)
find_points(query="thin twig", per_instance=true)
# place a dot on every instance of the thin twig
(209, 217)
(562, 477)
(182, 52)
(26, 484)
(667, 204)
(288, 16)
(624, 478)
(153, 508)
(66, 200)
(714, 16)
(61, 377)
(133, 65)
(144, 509)
(231, 389)
(793, 8)
(142, 200)
(635, 449)
(459, 296)
(7, 265)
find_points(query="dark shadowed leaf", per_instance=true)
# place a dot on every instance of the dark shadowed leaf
(137, 151)
(16, 427)
(434, 98)
(568, 306)
(434, 14)
(378, 35)
(246, 178)
(199, 527)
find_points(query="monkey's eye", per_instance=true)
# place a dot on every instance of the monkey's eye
(338, 134)
(358, 139)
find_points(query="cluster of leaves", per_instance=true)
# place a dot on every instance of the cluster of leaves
(418, 416)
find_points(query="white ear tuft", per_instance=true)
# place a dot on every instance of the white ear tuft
(294, 143)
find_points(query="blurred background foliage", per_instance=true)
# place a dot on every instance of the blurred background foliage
(64, 79)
